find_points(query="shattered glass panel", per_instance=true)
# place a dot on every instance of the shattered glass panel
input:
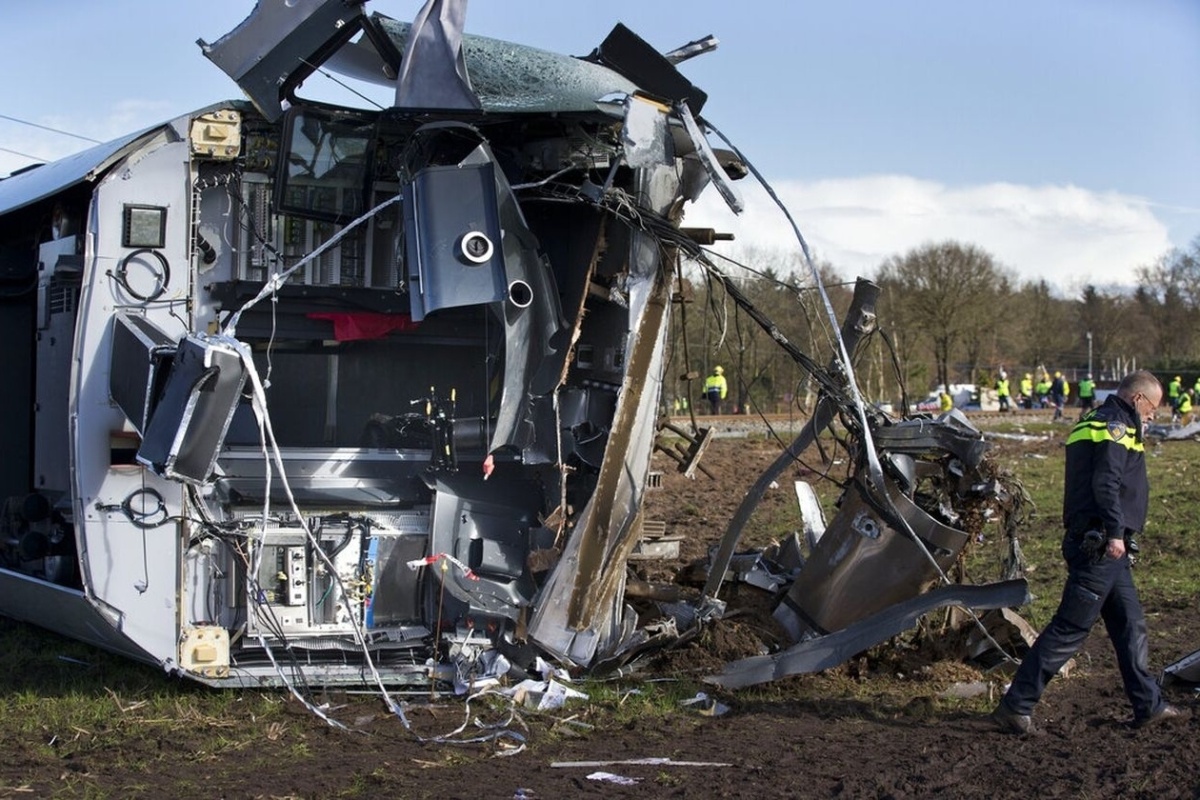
(512, 77)
(645, 133)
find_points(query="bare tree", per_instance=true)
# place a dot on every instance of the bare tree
(1105, 317)
(1045, 326)
(1168, 297)
(950, 292)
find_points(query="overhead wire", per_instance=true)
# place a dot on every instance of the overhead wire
(22, 155)
(48, 128)
(876, 470)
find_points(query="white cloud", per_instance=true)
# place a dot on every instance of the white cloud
(1067, 235)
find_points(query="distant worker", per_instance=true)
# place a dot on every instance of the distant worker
(945, 401)
(1087, 395)
(1196, 388)
(1027, 391)
(715, 389)
(1105, 498)
(1173, 390)
(1058, 395)
(1002, 391)
(1183, 413)
(1042, 390)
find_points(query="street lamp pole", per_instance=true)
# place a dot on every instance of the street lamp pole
(1089, 335)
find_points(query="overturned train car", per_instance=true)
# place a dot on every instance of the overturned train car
(343, 388)
(372, 394)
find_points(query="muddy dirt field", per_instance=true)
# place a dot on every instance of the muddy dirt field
(809, 736)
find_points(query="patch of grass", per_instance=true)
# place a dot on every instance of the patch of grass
(619, 703)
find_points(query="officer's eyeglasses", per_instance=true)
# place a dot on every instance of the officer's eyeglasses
(1151, 407)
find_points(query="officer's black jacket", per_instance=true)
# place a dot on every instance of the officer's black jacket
(1106, 486)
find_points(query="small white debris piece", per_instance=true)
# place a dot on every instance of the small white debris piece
(708, 706)
(543, 695)
(609, 777)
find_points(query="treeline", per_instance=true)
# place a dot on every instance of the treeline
(948, 312)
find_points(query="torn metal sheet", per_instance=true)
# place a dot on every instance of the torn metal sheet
(863, 548)
(832, 649)
(433, 73)
(1185, 670)
(812, 518)
(859, 322)
(644, 134)
(708, 159)
(273, 49)
(1174, 432)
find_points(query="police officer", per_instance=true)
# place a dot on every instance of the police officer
(1104, 506)
(715, 389)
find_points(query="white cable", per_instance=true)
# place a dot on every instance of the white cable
(271, 452)
(278, 279)
(875, 471)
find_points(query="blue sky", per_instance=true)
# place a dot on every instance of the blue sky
(1062, 137)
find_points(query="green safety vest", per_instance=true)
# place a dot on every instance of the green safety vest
(716, 383)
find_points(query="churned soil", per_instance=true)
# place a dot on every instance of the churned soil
(821, 736)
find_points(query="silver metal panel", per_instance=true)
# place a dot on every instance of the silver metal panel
(59, 289)
(64, 611)
(133, 570)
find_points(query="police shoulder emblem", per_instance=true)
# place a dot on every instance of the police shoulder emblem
(1117, 430)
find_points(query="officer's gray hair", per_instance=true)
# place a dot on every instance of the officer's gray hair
(1141, 381)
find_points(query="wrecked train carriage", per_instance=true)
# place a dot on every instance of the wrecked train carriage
(338, 388)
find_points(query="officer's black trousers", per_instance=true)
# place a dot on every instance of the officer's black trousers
(1102, 590)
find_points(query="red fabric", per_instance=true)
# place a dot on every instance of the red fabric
(348, 326)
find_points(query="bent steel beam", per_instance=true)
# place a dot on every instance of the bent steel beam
(828, 651)
(860, 320)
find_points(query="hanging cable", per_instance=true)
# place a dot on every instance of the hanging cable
(48, 128)
(876, 470)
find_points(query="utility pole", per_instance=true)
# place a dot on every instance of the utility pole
(1089, 335)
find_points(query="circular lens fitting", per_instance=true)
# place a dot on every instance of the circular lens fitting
(476, 248)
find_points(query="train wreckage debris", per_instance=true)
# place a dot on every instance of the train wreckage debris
(370, 395)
